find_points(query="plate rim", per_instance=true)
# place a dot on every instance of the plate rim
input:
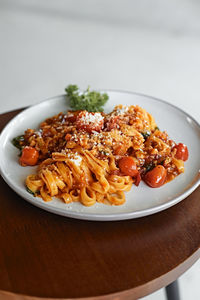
(116, 216)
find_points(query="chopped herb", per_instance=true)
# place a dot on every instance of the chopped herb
(149, 166)
(17, 141)
(103, 152)
(157, 128)
(146, 134)
(29, 191)
(91, 101)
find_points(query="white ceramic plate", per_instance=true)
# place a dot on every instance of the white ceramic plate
(140, 201)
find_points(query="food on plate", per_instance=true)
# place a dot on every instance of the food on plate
(88, 156)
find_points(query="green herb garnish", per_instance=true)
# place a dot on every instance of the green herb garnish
(146, 134)
(17, 141)
(29, 191)
(91, 101)
(157, 128)
(103, 152)
(149, 166)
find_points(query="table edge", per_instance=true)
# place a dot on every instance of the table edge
(131, 294)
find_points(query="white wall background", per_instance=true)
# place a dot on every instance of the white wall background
(147, 46)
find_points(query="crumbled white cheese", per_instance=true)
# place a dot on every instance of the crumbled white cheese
(76, 159)
(122, 110)
(89, 118)
(38, 133)
(95, 132)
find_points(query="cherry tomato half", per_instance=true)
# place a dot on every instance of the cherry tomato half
(156, 177)
(181, 152)
(137, 179)
(29, 156)
(128, 166)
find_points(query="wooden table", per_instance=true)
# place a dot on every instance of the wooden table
(45, 255)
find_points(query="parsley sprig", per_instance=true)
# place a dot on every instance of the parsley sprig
(18, 141)
(91, 101)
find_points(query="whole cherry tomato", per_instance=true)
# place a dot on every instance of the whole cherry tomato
(128, 166)
(156, 177)
(29, 156)
(90, 121)
(181, 152)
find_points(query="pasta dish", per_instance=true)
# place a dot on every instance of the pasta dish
(94, 157)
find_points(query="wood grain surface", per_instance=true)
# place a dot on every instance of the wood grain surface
(45, 255)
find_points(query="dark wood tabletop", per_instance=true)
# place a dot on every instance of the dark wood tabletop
(46, 255)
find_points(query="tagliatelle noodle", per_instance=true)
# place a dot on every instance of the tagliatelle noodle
(80, 166)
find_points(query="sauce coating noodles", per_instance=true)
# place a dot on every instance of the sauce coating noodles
(81, 155)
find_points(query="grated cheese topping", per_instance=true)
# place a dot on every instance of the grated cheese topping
(89, 118)
(76, 158)
(121, 109)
